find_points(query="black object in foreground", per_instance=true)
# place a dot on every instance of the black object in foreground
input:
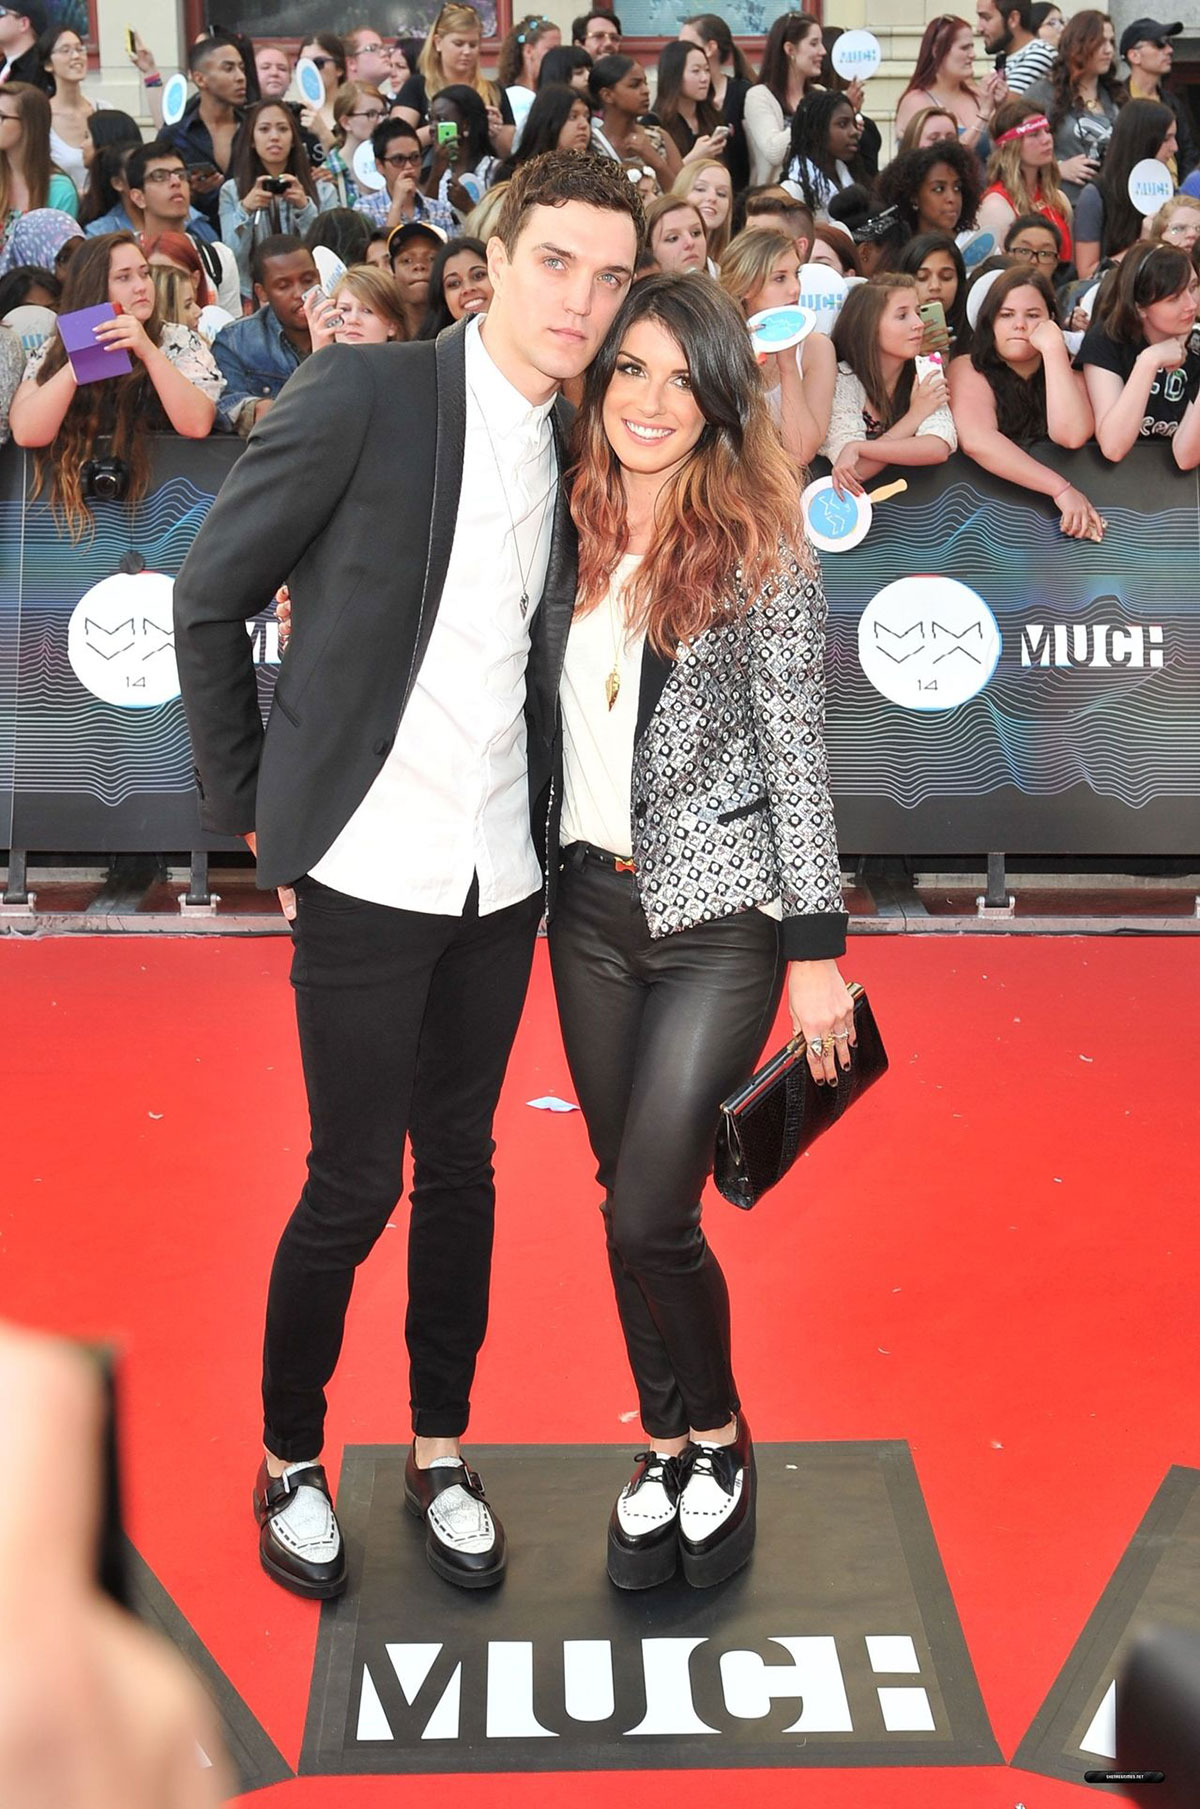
(782, 1110)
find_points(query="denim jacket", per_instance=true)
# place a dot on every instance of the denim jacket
(256, 358)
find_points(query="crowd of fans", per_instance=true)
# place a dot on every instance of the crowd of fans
(1079, 323)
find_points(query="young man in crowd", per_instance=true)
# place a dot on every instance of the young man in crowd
(394, 487)
(204, 136)
(20, 29)
(1147, 48)
(158, 200)
(398, 159)
(598, 33)
(257, 355)
(412, 247)
(1007, 31)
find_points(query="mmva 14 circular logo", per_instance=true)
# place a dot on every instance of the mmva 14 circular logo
(121, 640)
(928, 643)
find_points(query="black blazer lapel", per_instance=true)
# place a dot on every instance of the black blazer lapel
(450, 433)
(553, 620)
(655, 672)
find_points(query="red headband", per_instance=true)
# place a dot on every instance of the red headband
(1026, 129)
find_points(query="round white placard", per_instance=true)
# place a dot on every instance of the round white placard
(363, 165)
(835, 524)
(928, 642)
(822, 292)
(174, 100)
(1150, 185)
(775, 329)
(856, 56)
(975, 246)
(330, 267)
(309, 83)
(121, 640)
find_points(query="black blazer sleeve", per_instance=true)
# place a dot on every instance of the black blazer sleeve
(280, 495)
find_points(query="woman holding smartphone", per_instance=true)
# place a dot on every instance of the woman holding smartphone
(699, 865)
(683, 105)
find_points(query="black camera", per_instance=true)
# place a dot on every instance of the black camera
(275, 185)
(104, 480)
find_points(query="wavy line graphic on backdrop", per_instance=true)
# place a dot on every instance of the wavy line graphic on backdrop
(1038, 729)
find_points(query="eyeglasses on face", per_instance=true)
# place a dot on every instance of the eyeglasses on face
(166, 176)
(375, 114)
(1182, 229)
(366, 50)
(402, 160)
(322, 62)
(1031, 256)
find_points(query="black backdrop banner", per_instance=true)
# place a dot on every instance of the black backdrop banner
(992, 686)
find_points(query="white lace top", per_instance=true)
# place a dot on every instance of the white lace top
(179, 345)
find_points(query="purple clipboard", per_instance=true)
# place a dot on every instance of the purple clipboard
(89, 360)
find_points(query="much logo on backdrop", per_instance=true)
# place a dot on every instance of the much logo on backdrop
(990, 684)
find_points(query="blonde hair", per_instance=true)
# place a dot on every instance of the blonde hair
(454, 16)
(1005, 167)
(683, 185)
(480, 223)
(748, 260)
(1158, 224)
(176, 293)
(377, 289)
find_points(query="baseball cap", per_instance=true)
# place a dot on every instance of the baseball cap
(409, 229)
(1144, 31)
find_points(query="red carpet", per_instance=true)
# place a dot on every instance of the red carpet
(996, 1263)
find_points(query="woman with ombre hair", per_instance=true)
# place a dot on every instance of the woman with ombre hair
(944, 77)
(1081, 97)
(699, 865)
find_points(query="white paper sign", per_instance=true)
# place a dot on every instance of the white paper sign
(822, 292)
(363, 165)
(856, 56)
(308, 81)
(1150, 185)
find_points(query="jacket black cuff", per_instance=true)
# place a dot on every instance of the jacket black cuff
(817, 936)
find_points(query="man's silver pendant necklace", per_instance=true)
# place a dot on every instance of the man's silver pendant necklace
(512, 526)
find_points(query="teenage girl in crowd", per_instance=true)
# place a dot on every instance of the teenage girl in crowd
(1017, 388)
(270, 187)
(708, 184)
(791, 68)
(761, 269)
(883, 413)
(1141, 357)
(174, 382)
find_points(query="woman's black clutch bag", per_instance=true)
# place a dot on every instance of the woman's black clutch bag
(781, 1110)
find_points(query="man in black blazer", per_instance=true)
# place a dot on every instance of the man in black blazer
(410, 496)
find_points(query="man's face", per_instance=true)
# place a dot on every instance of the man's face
(13, 27)
(164, 195)
(410, 268)
(601, 39)
(1153, 57)
(556, 295)
(367, 60)
(274, 72)
(284, 281)
(994, 27)
(223, 76)
(400, 163)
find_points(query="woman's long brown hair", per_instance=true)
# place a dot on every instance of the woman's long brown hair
(34, 111)
(720, 519)
(119, 409)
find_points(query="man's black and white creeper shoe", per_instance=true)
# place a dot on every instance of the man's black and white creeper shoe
(464, 1540)
(299, 1541)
